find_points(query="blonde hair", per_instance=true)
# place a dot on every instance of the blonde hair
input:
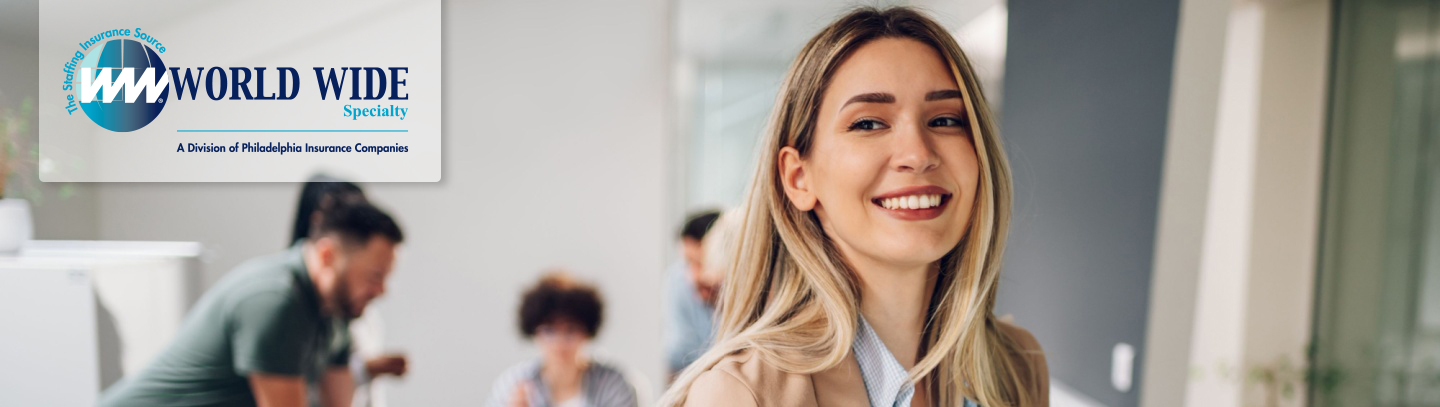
(791, 298)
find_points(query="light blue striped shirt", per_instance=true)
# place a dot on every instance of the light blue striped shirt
(886, 381)
(602, 386)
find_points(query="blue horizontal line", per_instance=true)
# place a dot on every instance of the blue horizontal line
(293, 131)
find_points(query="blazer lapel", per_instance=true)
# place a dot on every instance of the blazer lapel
(841, 386)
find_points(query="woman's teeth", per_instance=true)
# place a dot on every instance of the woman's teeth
(911, 202)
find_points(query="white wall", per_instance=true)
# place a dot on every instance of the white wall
(555, 156)
(1218, 344)
(1257, 276)
(1235, 265)
(1199, 53)
(1289, 170)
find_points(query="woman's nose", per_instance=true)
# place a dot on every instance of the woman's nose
(914, 150)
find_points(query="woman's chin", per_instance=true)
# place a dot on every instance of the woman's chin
(917, 255)
(919, 246)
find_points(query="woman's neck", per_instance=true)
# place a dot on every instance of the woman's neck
(895, 302)
(560, 368)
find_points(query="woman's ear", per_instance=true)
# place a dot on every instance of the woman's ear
(792, 177)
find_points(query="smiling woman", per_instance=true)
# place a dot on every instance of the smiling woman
(872, 235)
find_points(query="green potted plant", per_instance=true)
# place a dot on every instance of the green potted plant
(17, 158)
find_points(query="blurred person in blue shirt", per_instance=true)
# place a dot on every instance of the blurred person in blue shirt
(691, 297)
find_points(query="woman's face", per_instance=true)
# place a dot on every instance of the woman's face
(561, 339)
(892, 170)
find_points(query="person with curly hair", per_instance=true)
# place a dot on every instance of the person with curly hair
(562, 315)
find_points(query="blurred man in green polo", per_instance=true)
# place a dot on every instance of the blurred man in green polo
(273, 322)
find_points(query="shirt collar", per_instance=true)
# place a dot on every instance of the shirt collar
(886, 381)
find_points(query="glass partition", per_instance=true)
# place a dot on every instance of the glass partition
(1377, 328)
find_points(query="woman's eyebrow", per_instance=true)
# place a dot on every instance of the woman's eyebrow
(944, 94)
(872, 97)
(882, 97)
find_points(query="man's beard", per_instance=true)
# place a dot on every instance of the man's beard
(344, 308)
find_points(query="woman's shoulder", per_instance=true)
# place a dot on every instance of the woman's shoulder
(745, 379)
(1031, 355)
(736, 374)
(724, 384)
(1022, 338)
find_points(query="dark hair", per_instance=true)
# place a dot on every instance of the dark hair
(356, 222)
(699, 224)
(320, 193)
(556, 297)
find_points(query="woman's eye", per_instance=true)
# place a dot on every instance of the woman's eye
(867, 125)
(949, 122)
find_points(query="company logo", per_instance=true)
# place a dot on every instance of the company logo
(118, 79)
(123, 85)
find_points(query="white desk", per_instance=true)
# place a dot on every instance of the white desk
(81, 314)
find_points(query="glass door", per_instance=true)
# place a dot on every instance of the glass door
(1377, 328)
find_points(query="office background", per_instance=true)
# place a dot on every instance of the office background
(1190, 174)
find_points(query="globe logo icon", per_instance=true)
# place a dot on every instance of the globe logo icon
(117, 105)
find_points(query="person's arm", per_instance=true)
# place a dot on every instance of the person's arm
(393, 365)
(337, 388)
(268, 338)
(340, 382)
(277, 390)
(509, 390)
(520, 397)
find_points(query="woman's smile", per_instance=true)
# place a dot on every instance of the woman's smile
(913, 203)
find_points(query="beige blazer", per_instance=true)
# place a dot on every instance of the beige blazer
(742, 379)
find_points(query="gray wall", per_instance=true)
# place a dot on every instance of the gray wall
(1087, 88)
